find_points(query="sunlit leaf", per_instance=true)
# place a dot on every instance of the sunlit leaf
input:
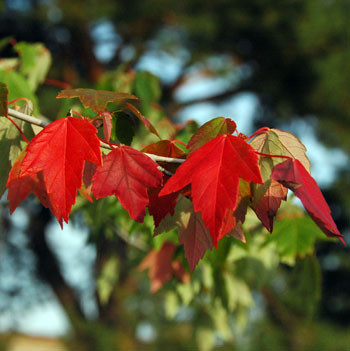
(210, 130)
(214, 171)
(292, 174)
(59, 152)
(35, 62)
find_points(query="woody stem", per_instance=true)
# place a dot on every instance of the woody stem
(43, 124)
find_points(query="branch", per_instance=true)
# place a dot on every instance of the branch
(43, 124)
(27, 118)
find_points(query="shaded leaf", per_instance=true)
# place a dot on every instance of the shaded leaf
(125, 128)
(210, 130)
(97, 100)
(167, 148)
(268, 205)
(126, 173)
(149, 126)
(107, 125)
(193, 233)
(214, 171)
(159, 265)
(234, 218)
(292, 174)
(88, 173)
(159, 207)
(59, 152)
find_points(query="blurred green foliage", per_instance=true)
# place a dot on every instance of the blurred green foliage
(264, 294)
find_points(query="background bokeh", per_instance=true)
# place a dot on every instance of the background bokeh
(281, 64)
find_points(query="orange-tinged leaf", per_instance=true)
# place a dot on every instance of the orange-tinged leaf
(107, 125)
(167, 148)
(159, 264)
(214, 171)
(97, 100)
(292, 174)
(126, 173)
(210, 130)
(59, 152)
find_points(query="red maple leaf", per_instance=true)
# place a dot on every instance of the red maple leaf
(233, 217)
(214, 171)
(59, 152)
(126, 173)
(293, 175)
(20, 187)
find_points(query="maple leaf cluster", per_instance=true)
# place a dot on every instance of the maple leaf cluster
(205, 193)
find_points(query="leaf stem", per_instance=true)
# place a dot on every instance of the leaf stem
(18, 128)
(259, 131)
(180, 142)
(269, 155)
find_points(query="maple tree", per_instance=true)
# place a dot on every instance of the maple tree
(222, 174)
(196, 203)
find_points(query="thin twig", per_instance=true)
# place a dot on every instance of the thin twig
(43, 124)
(27, 118)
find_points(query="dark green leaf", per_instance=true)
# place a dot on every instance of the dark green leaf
(124, 128)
